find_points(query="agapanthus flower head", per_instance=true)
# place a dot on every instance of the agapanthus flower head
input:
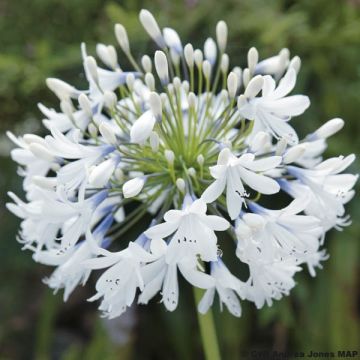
(196, 142)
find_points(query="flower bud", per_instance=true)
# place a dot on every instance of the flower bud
(254, 87)
(130, 79)
(224, 65)
(172, 40)
(107, 55)
(150, 81)
(253, 58)
(101, 174)
(259, 141)
(85, 104)
(232, 84)
(133, 187)
(200, 159)
(189, 55)
(192, 100)
(146, 63)
(151, 27)
(110, 99)
(170, 156)
(107, 132)
(122, 38)
(92, 129)
(210, 51)
(221, 35)
(246, 77)
(192, 172)
(91, 66)
(198, 57)
(207, 69)
(154, 141)
(161, 66)
(293, 154)
(329, 128)
(142, 127)
(155, 105)
(180, 184)
(67, 108)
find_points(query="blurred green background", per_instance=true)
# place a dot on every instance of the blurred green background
(40, 39)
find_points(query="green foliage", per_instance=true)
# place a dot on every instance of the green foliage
(41, 38)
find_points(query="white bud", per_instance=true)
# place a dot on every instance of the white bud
(172, 40)
(293, 154)
(254, 87)
(200, 160)
(164, 99)
(49, 183)
(189, 55)
(237, 70)
(180, 184)
(280, 146)
(224, 65)
(232, 84)
(85, 104)
(224, 95)
(133, 187)
(101, 174)
(177, 83)
(107, 55)
(107, 132)
(91, 66)
(110, 99)
(122, 38)
(253, 58)
(60, 88)
(146, 63)
(259, 141)
(207, 69)
(119, 174)
(170, 156)
(142, 128)
(152, 28)
(221, 35)
(130, 79)
(242, 100)
(161, 66)
(175, 57)
(186, 86)
(329, 128)
(192, 172)
(198, 57)
(246, 77)
(210, 50)
(41, 152)
(155, 104)
(154, 141)
(92, 129)
(192, 100)
(295, 63)
(150, 81)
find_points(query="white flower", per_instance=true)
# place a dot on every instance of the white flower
(227, 286)
(182, 137)
(194, 232)
(229, 173)
(274, 109)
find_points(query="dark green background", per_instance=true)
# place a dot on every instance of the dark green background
(41, 38)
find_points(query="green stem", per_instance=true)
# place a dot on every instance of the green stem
(207, 330)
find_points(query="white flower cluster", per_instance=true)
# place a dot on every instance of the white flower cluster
(195, 144)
